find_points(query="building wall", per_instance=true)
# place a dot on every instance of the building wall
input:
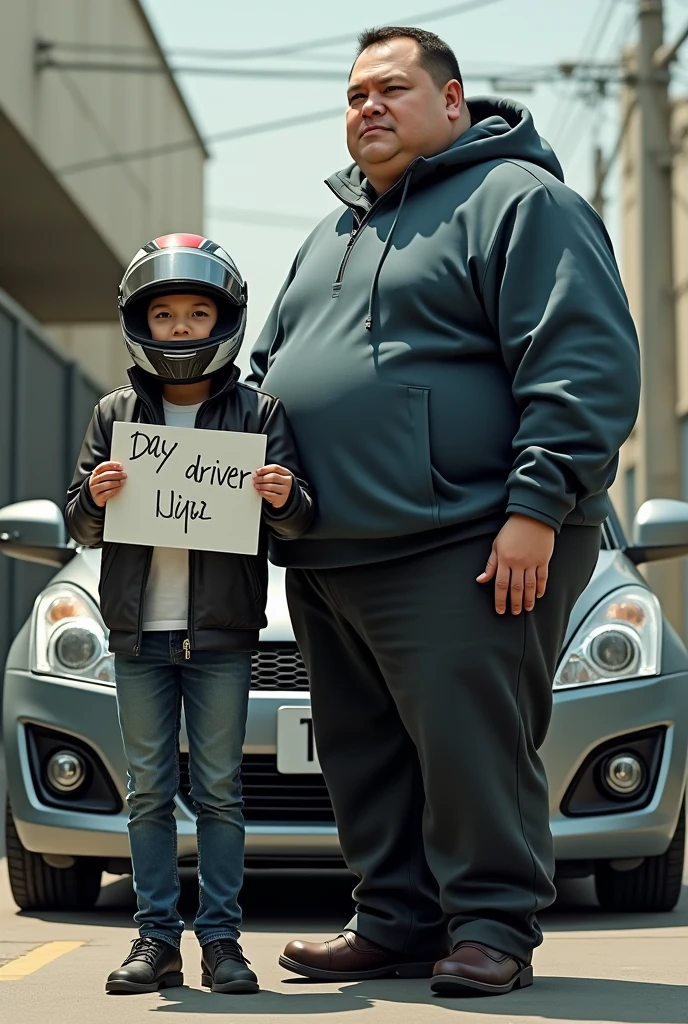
(46, 401)
(98, 348)
(625, 489)
(64, 117)
(72, 116)
(626, 492)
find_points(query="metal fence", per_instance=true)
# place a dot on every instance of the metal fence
(46, 401)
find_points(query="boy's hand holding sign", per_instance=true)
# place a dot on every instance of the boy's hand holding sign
(273, 483)
(198, 489)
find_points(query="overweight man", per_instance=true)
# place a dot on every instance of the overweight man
(455, 353)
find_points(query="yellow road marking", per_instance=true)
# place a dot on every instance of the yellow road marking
(17, 969)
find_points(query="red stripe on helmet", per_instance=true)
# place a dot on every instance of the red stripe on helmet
(189, 241)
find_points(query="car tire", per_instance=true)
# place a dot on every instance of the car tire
(655, 885)
(37, 886)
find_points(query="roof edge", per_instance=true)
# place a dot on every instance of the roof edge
(161, 53)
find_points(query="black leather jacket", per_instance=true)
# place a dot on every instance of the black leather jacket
(227, 592)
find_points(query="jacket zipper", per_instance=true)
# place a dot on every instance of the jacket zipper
(337, 286)
(356, 231)
(190, 640)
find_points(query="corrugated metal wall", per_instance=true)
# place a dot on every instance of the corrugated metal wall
(46, 402)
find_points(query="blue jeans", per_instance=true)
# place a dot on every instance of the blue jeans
(214, 686)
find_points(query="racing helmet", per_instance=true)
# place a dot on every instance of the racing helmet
(181, 264)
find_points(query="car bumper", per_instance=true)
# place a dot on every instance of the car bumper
(89, 712)
(582, 720)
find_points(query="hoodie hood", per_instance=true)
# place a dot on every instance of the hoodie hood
(501, 129)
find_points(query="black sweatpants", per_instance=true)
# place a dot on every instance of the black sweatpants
(429, 710)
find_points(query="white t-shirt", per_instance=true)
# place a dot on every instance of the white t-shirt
(166, 601)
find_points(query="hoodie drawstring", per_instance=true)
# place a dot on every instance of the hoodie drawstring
(383, 257)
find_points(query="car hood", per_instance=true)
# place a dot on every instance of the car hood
(84, 570)
(613, 570)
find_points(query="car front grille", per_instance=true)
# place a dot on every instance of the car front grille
(278, 666)
(270, 796)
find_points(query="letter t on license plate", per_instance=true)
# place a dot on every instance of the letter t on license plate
(296, 753)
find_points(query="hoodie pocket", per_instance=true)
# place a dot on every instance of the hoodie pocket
(419, 406)
(369, 459)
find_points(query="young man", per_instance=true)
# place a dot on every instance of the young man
(182, 623)
(455, 352)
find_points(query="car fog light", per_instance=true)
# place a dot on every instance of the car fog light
(624, 774)
(65, 771)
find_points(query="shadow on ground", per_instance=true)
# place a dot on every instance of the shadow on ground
(550, 998)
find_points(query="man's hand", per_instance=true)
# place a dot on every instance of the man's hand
(106, 481)
(274, 484)
(519, 563)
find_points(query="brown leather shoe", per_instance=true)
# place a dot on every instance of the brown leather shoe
(474, 969)
(350, 957)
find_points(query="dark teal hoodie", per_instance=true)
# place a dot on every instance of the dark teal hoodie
(452, 351)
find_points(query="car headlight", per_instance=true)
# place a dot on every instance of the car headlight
(69, 637)
(620, 639)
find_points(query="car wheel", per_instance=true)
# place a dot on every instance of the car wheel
(655, 885)
(37, 886)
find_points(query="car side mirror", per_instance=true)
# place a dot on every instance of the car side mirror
(660, 531)
(34, 531)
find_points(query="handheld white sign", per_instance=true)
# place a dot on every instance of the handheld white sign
(186, 488)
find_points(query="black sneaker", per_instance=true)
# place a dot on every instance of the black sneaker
(224, 968)
(152, 964)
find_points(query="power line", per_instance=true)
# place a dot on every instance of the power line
(579, 70)
(559, 124)
(273, 51)
(582, 72)
(608, 163)
(226, 136)
(435, 15)
(295, 74)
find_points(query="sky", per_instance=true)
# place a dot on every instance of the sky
(264, 193)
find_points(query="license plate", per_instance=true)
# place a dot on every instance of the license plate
(296, 753)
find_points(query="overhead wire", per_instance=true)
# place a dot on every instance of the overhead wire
(558, 124)
(213, 138)
(619, 43)
(166, 148)
(286, 49)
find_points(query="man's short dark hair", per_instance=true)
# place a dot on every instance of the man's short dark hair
(438, 59)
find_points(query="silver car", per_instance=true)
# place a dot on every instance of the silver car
(615, 754)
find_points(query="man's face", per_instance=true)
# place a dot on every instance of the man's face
(396, 111)
(181, 317)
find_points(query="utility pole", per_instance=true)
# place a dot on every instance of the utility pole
(600, 169)
(659, 462)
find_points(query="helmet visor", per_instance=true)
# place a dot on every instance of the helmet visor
(187, 269)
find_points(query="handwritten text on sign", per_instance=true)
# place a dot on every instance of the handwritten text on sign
(186, 488)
